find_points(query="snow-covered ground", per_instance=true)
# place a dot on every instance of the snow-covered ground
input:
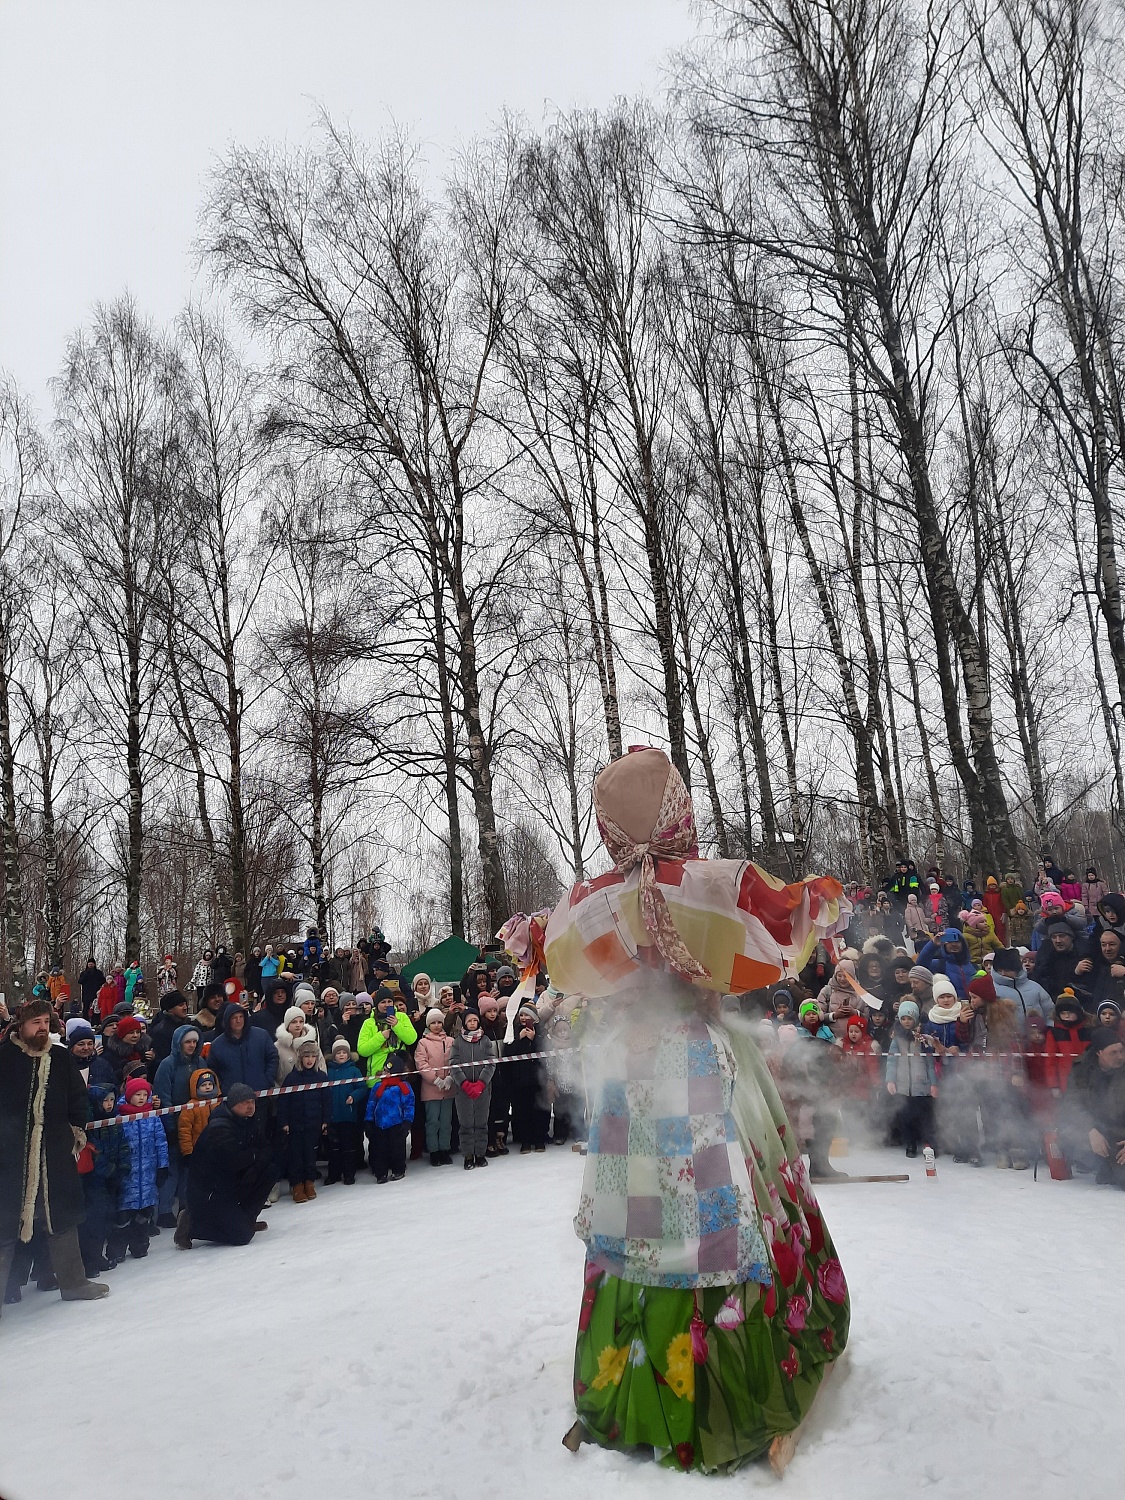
(415, 1340)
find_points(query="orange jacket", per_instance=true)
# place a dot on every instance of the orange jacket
(190, 1122)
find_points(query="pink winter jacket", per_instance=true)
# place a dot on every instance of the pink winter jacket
(432, 1054)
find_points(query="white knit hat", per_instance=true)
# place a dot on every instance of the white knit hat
(434, 1015)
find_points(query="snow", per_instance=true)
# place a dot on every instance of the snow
(415, 1340)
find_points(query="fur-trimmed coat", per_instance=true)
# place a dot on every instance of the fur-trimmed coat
(43, 1108)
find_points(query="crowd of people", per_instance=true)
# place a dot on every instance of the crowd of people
(979, 1024)
(986, 1024)
(403, 1072)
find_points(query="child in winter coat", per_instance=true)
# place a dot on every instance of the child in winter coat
(107, 1160)
(303, 1119)
(861, 1061)
(1067, 1039)
(564, 1073)
(940, 1026)
(346, 1106)
(290, 1036)
(390, 1111)
(473, 1062)
(530, 1118)
(431, 1059)
(979, 932)
(138, 1191)
(203, 1091)
(1020, 923)
(912, 1078)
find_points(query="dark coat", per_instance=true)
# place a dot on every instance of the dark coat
(90, 982)
(163, 1030)
(1095, 1098)
(228, 1153)
(252, 975)
(1054, 971)
(64, 1105)
(108, 1066)
(251, 1060)
(524, 1079)
(304, 1111)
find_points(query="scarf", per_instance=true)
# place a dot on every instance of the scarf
(673, 837)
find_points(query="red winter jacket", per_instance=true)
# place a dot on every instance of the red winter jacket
(1065, 1044)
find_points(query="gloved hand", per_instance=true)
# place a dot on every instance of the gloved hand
(474, 1087)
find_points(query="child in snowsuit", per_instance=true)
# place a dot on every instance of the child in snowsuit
(108, 1160)
(346, 1106)
(203, 1088)
(1067, 1039)
(390, 1111)
(473, 1062)
(912, 1079)
(302, 1118)
(138, 1191)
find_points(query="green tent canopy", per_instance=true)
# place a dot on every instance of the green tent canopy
(445, 963)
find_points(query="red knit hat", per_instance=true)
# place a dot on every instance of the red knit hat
(983, 987)
(136, 1086)
(129, 1026)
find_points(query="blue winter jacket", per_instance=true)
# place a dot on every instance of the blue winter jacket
(391, 1103)
(945, 1031)
(111, 1146)
(251, 1060)
(148, 1152)
(341, 1113)
(957, 967)
(174, 1075)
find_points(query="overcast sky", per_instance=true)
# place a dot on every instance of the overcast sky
(112, 112)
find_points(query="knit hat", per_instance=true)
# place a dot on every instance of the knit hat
(944, 989)
(331, 990)
(934, 886)
(1108, 1005)
(983, 987)
(1059, 925)
(434, 1015)
(136, 1086)
(341, 1044)
(908, 1010)
(78, 1030)
(346, 997)
(294, 1013)
(1102, 1037)
(129, 1026)
(302, 993)
(172, 999)
(808, 1007)
(123, 1008)
(238, 1093)
(1068, 1000)
(505, 971)
(1007, 959)
(924, 975)
(531, 1013)
(941, 1013)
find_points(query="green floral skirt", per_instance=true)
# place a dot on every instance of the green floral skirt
(707, 1379)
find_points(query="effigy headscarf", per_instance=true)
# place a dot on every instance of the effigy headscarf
(674, 837)
(722, 924)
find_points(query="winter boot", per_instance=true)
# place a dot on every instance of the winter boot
(470, 1162)
(182, 1237)
(299, 1192)
(166, 1221)
(435, 1158)
(310, 1192)
(66, 1257)
(482, 1161)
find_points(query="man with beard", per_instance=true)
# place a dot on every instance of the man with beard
(43, 1109)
